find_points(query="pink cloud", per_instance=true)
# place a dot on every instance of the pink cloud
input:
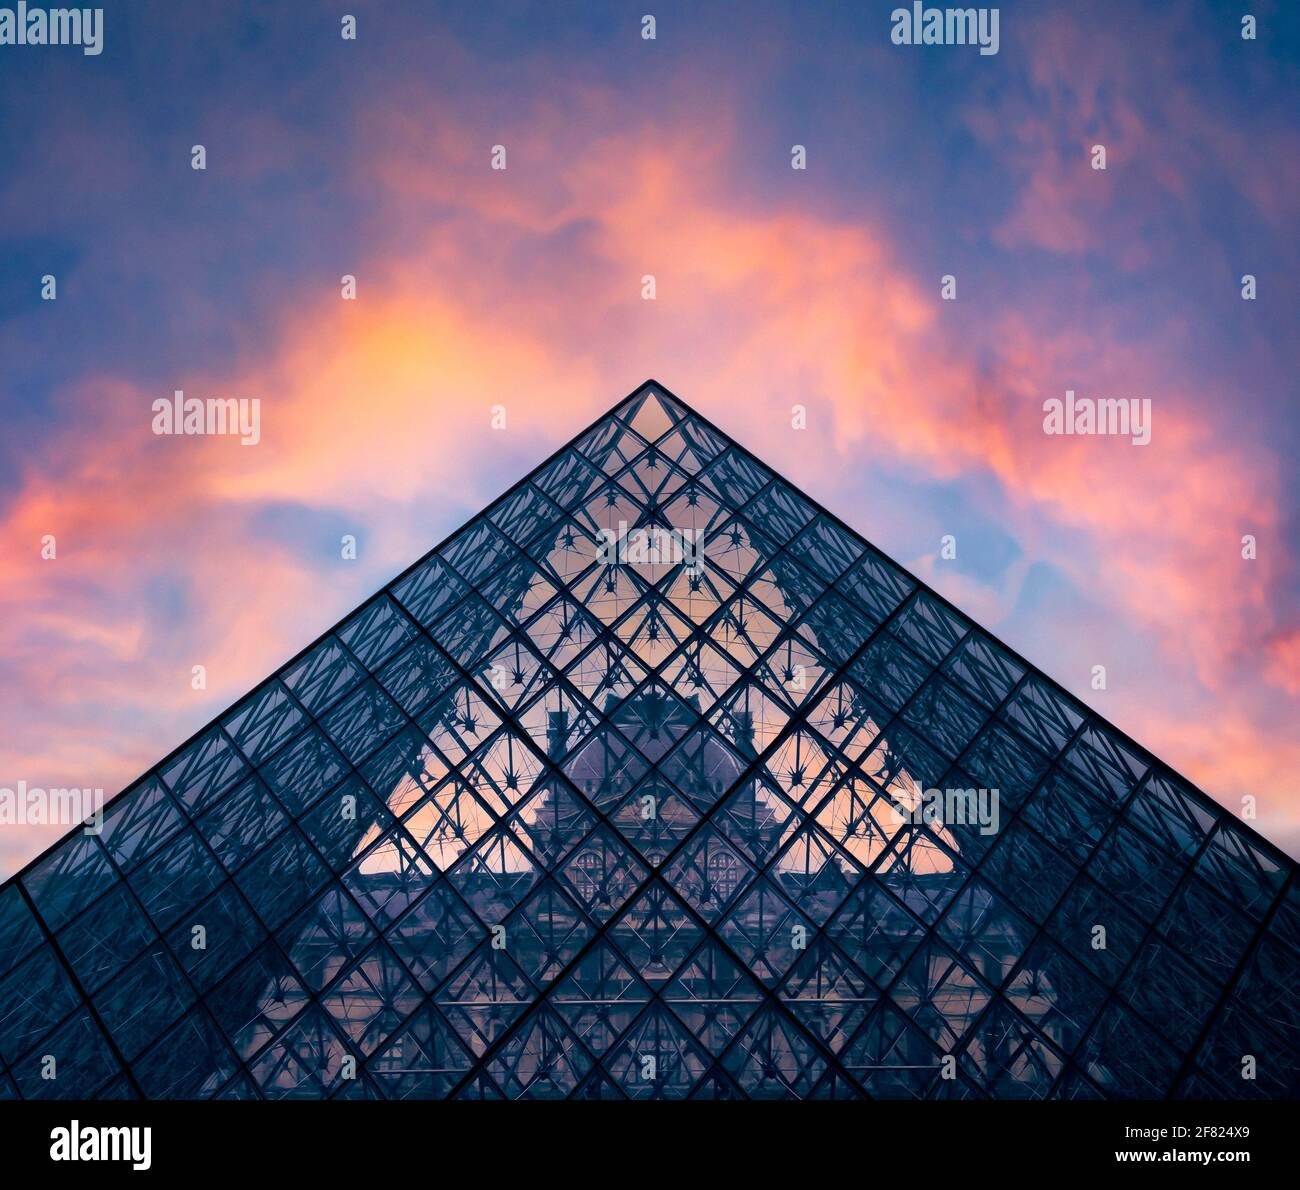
(524, 289)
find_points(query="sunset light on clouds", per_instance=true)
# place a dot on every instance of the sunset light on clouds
(523, 288)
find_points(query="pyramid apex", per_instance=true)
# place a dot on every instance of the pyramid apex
(651, 410)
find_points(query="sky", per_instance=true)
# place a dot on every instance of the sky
(773, 287)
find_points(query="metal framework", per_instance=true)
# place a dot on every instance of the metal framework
(546, 818)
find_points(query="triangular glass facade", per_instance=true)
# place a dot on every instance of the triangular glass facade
(572, 813)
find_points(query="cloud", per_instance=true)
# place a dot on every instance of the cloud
(1146, 84)
(1283, 652)
(523, 288)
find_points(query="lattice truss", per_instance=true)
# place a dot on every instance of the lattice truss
(546, 820)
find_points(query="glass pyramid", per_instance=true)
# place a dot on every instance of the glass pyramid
(615, 794)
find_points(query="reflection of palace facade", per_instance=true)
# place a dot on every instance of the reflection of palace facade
(532, 823)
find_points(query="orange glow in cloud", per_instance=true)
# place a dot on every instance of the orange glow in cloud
(377, 407)
(1284, 660)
